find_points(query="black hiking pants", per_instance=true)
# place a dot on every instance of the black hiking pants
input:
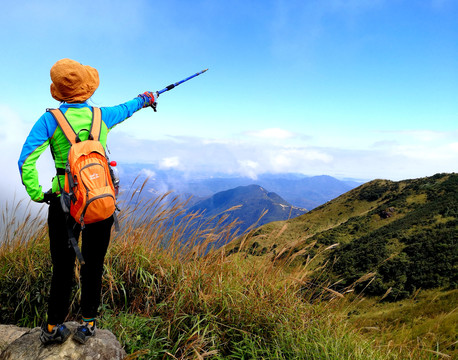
(95, 240)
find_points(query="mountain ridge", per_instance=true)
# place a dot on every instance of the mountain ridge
(405, 232)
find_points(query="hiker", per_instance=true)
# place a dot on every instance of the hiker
(72, 84)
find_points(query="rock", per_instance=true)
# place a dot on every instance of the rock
(103, 346)
(9, 333)
(385, 214)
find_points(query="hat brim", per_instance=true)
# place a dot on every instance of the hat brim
(73, 82)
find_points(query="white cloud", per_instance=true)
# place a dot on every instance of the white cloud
(280, 162)
(218, 141)
(13, 133)
(249, 164)
(385, 144)
(439, 153)
(148, 173)
(170, 162)
(310, 154)
(271, 133)
(400, 159)
(426, 135)
(421, 135)
(299, 159)
(249, 168)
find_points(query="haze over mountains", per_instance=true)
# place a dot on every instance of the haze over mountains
(298, 190)
(270, 197)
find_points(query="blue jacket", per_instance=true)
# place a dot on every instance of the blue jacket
(46, 133)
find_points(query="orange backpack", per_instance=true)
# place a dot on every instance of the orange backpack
(88, 194)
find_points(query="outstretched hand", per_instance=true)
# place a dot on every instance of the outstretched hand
(150, 99)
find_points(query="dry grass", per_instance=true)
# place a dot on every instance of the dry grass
(168, 294)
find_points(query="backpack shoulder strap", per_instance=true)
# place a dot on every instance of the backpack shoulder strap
(96, 126)
(64, 125)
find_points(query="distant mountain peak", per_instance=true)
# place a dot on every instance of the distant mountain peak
(254, 200)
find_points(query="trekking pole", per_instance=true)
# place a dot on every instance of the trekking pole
(171, 86)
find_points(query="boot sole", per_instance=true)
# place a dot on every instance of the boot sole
(82, 339)
(65, 334)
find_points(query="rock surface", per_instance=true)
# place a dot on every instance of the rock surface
(9, 333)
(26, 345)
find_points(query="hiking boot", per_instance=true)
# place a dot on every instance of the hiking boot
(85, 331)
(59, 334)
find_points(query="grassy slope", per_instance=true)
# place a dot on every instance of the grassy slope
(404, 233)
(352, 214)
(427, 320)
(396, 214)
(173, 302)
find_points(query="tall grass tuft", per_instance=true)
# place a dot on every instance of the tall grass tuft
(168, 293)
(25, 266)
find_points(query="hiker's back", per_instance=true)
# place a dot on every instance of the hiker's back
(72, 85)
(88, 193)
(79, 118)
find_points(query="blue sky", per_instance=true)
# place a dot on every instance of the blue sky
(348, 88)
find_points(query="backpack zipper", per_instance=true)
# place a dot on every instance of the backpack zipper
(87, 166)
(88, 203)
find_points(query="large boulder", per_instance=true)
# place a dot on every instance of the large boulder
(103, 346)
(9, 333)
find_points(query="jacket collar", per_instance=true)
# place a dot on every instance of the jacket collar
(73, 105)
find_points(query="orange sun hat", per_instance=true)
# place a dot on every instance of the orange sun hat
(73, 82)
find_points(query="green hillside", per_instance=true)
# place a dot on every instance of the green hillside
(405, 232)
(164, 299)
(262, 297)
